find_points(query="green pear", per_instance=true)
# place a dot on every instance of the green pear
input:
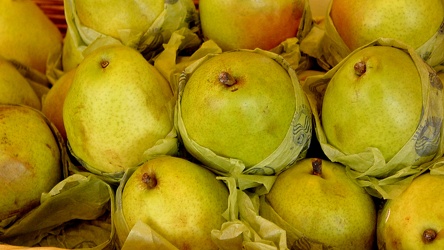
(318, 198)
(30, 159)
(413, 22)
(373, 100)
(180, 200)
(28, 35)
(239, 104)
(118, 106)
(14, 88)
(414, 219)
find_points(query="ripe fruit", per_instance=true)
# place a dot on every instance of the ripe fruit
(250, 24)
(118, 107)
(28, 35)
(178, 199)
(374, 100)
(412, 22)
(414, 219)
(14, 88)
(143, 25)
(241, 105)
(53, 101)
(317, 199)
(30, 160)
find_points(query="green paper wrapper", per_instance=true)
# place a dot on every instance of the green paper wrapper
(164, 146)
(176, 15)
(331, 49)
(74, 214)
(380, 178)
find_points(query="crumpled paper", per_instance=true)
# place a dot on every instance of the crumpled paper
(331, 49)
(176, 15)
(380, 178)
(74, 214)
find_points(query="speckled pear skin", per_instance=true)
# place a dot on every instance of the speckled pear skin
(30, 159)
(380, 107)
(118, 106)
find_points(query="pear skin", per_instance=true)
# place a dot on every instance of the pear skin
(136, 16)
(14, 87)
(53, 101)
(240, 105)
(414, 219)
(30, 159)
(373, 100)
(118, 106)
(28, 35)
(324, 204)
(360, 22)
(189, 196)
(250, 24)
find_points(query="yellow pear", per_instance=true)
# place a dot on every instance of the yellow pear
(14, 88)
(118, 106)
(250, 24)
(27, 34)
(360, 22)
(180, 200)
(318, 199)
(30, 159)
(415, 218)
(114, 17)
(53, 101)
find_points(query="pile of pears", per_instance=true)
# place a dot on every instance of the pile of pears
(330, 138)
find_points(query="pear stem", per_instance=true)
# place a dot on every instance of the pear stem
(150, 180)
(360, 68)
(104, 64)
(226, 78)
(428, 235)
(316, 163)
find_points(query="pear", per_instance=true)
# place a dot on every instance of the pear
(136, 16)
(239, 105)
(373, 100)
(317, 198)
(413, 22)
(414, 219)
(14, 87)
(53, 101)
(180, 200)
(30, 160)
(28, 35)
(251, 24)
(118, 107)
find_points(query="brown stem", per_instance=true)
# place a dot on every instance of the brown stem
(428, 235)
(150, 180)
(360, 68)
(104, 64)
(226, 78)
(316, 163)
